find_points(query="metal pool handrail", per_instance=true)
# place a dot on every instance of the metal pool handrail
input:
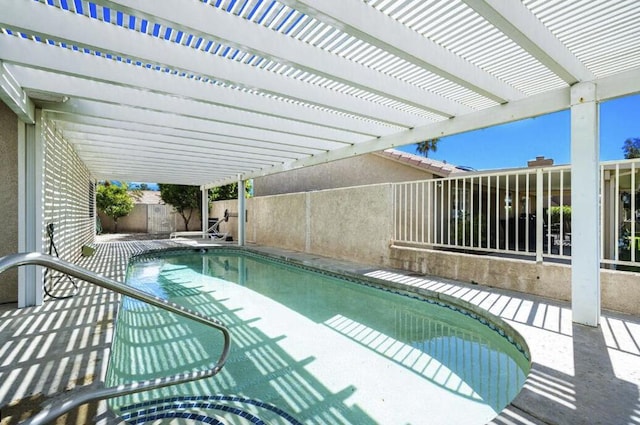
(49, 414)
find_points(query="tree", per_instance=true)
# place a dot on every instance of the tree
(134, 192)
(230, 191)
(631, 148)
(185, 199)
(222, 193)
(424, 147)
(114, 201)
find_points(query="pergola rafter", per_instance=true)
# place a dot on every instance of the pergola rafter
(215, 24)
(212, 144)
(377, 29)
(294, 83)
(123, 113)
(34, 18)
(69, 63)
(517, 22)
(80, 88)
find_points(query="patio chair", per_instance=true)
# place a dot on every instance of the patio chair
(212, 232)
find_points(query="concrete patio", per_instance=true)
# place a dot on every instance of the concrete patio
(580, 375)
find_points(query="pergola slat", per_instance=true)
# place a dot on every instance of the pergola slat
(259, 90)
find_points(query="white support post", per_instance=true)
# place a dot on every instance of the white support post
(539, 216)
(204, 210)
(241, 212)
(585, 216)
(31, 209)
(612, 217)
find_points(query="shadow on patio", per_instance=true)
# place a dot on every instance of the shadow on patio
(579, 374)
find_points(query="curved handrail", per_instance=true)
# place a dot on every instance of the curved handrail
(49, 414)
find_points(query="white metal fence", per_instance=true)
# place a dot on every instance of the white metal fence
(620, 212)
(524, 212)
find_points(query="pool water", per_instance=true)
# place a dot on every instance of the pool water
(307, 348)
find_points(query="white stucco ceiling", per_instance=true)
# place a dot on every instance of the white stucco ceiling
(199, 92)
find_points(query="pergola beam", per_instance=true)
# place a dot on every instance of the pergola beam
(80, 88)
(618, 85)
(525, 108)
(12, 94)
(123, 113)
(366, 23)
(215, 152)
(140, 175)
(162, 165)
(56, 24)
(213, 144)
(622, 84)
(126, 156)
(215, 24)
(251, 137)
(67, 62)
(520, 25)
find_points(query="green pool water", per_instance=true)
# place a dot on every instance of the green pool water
(307, 348)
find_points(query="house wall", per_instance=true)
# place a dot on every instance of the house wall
(8, 199)
(355, 171)
(68, 195)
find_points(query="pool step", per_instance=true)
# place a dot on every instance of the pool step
(217, 410)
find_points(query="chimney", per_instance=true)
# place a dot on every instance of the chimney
(540, 161)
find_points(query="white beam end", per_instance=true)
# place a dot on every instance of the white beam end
(12, 94)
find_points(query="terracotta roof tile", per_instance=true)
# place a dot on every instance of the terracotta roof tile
(438, 167)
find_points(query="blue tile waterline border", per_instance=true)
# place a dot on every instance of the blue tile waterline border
(168, 408)
(485, 318)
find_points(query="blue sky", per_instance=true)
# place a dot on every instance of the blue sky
(512, 145)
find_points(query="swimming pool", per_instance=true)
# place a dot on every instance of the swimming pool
(307, 348)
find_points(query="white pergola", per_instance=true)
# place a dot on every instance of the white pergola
(215, 91)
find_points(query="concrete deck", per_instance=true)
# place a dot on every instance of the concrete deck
(580, 375)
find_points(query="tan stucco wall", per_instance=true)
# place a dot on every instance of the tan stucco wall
(277, 220)
(356, 171)
(548, 280)
(271, 220)
(352, 223)
(620, 291)
(231, 226)
(8, 199)
(138, 221)
(135, 222)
